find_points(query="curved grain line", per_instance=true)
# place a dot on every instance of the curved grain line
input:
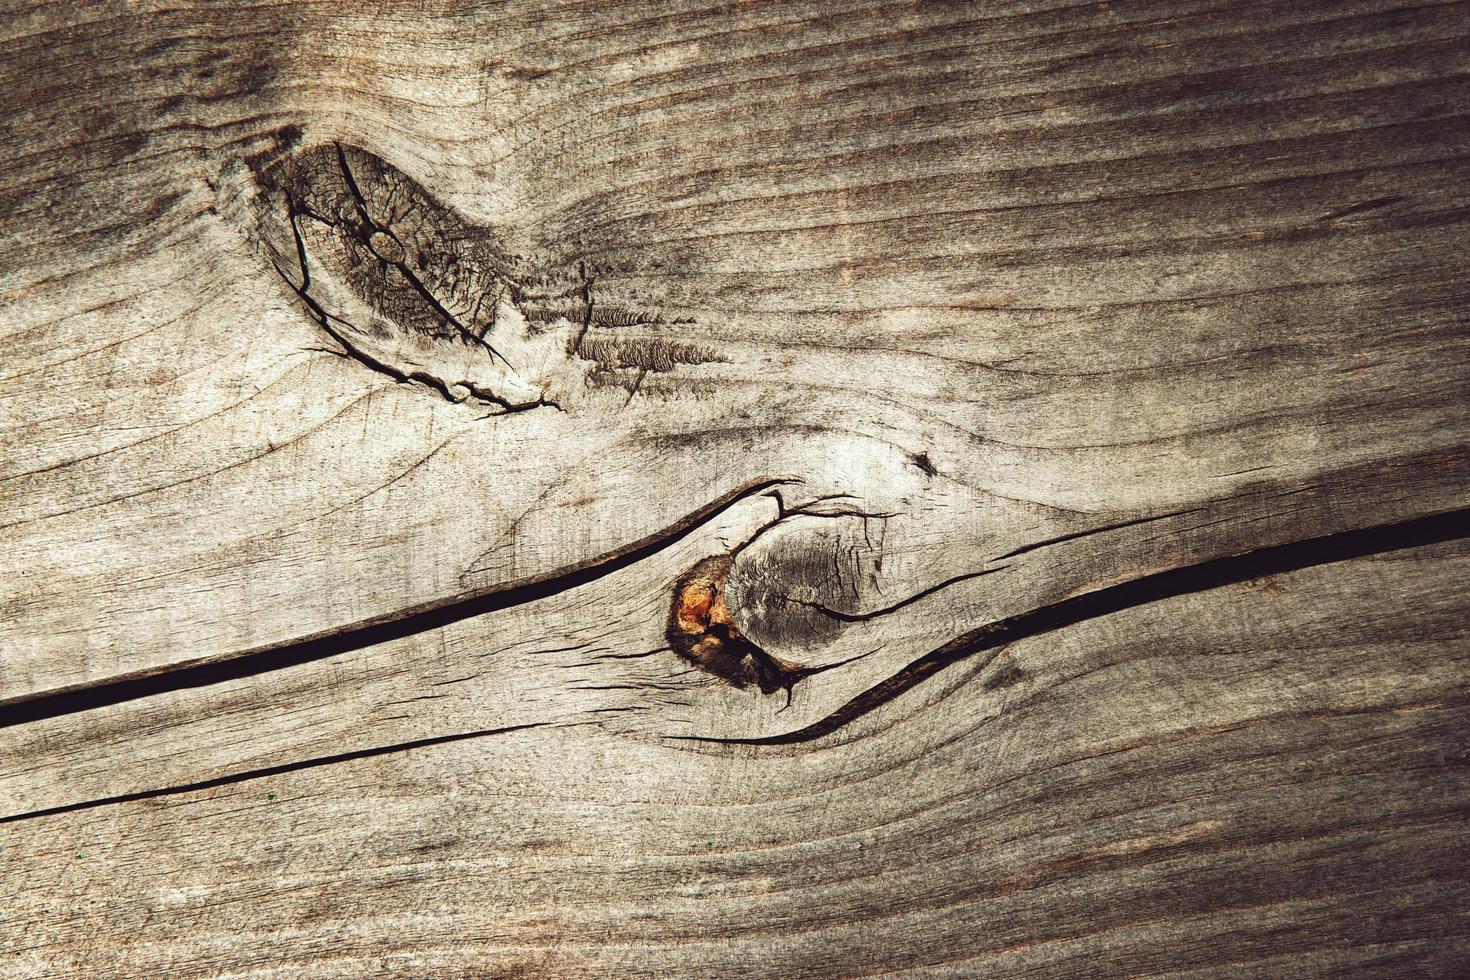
(394, 625)
(1341, 546)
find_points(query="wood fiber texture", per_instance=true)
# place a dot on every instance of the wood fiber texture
(779, 489)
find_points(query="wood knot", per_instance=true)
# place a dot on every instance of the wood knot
(703, 631)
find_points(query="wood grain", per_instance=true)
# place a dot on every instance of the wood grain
(1240, 781)
(1080, 387)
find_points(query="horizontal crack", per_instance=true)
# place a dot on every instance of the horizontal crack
(285, 767)
(1035, 545)
(863, 617)
(1341, 546)
(370, 632)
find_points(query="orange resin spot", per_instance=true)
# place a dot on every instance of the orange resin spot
(696, 599)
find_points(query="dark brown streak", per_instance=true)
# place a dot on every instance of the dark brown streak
(369, 632)
(586, 308)
(248, 774)
(1342, 546)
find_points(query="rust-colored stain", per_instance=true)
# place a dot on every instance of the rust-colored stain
(702, 630)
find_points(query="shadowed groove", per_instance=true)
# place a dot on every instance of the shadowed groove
(369, 632)
(239, 777)
(1344, 545)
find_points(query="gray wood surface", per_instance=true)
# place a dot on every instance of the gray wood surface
(1045, 425)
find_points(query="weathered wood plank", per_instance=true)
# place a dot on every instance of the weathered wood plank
(1083, 387)
(1061, 256)
(1233, 782)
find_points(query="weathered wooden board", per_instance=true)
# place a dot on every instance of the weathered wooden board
(1083, 387)
(1243, 781)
